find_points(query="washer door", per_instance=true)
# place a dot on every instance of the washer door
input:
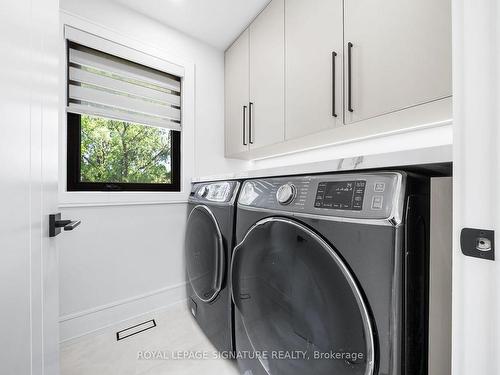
(204, 253)
(294, 293)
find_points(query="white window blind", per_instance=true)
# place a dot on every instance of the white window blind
(103, 85)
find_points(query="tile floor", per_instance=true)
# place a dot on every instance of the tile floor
(101, 354)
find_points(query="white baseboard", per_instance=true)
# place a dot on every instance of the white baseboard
(85, 322)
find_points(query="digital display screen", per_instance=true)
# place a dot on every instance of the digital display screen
(340, 195)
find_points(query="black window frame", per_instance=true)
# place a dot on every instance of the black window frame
(74, 182)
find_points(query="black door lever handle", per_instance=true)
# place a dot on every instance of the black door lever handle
(67, 224)
(55, 224)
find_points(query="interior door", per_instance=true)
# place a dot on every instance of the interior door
(28, 173)
(267, 74)
(236, 95)
(400, 55)
(314, 53)
(294, 293)
(205, 259)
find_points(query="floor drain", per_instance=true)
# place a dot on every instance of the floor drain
(134, 330)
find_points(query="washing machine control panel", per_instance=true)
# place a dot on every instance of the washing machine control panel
(341, 195)
(375, 195)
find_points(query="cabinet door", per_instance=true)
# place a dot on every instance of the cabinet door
(267, 50)
(400, 55)
(236, 96)
(314, 40)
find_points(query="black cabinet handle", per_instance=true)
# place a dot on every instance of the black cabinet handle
(250, 124)
(244, 125)
(334, 55)
(349, 77)
(55, 224)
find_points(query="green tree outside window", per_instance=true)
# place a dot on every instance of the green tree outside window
(115, 151)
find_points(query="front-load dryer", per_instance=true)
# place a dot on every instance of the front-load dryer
(209, 242)
(329, 275)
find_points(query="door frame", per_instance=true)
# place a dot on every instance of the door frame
(476, 177)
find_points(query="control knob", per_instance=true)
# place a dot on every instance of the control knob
(203, 192)
(286, 194)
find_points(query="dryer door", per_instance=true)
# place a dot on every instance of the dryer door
(204, 249)
(299, 308)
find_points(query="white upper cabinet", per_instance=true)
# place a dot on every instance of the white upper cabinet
(400, 55)
(267, 51)
(236, 95)
(314, 50)
(303, 69)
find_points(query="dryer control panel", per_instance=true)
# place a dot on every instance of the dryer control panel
(214, 192)
(357, 195)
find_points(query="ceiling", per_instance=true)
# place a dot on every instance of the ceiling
(216, 22)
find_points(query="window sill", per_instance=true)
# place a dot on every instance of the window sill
(128, 198)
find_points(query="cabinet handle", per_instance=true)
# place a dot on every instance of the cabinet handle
(334, 55)
(244, 125)
(250, 124)
(349, 77)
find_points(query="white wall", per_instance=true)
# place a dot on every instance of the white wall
(127, 260)
(121, 262)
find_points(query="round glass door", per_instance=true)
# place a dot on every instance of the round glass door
(300, 306)
(204, 253)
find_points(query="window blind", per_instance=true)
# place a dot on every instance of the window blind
(103, 85)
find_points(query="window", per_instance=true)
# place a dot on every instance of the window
(124, 124)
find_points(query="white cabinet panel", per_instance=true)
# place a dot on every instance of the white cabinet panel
(401, 54)
(236, 95)
(267, 76)
(313, 35)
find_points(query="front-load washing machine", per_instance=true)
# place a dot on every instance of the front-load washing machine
(208, 245)
(330, 275)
